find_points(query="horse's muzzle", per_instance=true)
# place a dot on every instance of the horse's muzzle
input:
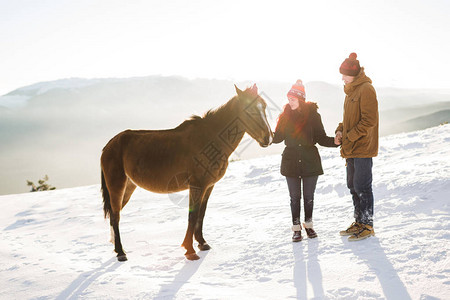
(267, 141)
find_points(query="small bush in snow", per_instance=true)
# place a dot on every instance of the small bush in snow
(43, 186)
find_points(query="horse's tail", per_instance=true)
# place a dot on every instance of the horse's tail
(106, 197)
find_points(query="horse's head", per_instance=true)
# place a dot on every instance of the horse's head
(253, 115)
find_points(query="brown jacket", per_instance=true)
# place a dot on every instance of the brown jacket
(360, 125)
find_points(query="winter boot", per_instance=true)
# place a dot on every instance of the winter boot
(364, 232)
(309, 230)
(354, 228)
(297, 237)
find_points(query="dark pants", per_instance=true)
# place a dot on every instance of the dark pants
(359, 181)
(295, 191)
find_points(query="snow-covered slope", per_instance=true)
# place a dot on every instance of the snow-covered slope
(54, 245)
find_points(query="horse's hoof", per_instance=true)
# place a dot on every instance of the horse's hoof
(204, 247)
(122, 257)
(192, 256)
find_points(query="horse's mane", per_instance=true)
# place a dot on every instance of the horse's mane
(195, 119)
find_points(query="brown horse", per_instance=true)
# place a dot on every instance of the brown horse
(192, 156)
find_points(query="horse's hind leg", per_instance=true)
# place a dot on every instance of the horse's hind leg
(198, 233)
(195, 198)
(117, 192)
(115, 218)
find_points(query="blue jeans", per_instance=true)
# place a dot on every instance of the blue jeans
(295, 191)
(359, 181)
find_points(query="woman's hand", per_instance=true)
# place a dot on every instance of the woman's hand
(338, 138)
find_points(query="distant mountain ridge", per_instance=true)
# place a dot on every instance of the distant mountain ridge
(60, 127)
(425, 122)
(389, 98)
(414, 118)
(199, 95)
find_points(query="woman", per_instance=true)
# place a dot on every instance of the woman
(300, 127)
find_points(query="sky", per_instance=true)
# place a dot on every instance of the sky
(401, 44)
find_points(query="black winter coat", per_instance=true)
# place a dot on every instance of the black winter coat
(300, 132)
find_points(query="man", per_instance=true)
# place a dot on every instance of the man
(358, 136)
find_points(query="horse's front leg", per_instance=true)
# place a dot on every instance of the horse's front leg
(198, 233)
(195, 197)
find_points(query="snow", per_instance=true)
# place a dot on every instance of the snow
(54, 245)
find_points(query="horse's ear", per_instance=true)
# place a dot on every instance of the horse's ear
(254, 89)
(238, 91)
